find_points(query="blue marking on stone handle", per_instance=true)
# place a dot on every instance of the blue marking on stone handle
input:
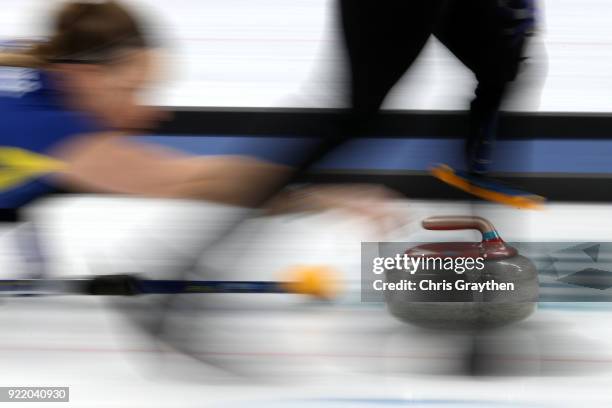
(490, 236)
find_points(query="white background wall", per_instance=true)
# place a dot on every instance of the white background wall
(284, 53)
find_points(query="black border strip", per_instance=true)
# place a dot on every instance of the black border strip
(400, 124)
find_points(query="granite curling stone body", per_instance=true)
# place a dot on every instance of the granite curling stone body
(464, 304)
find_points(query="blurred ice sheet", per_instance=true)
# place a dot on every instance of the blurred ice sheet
(286, 350)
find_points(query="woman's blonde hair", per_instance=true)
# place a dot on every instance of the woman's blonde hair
(83, 32)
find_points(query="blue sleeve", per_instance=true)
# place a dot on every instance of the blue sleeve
(36, 132)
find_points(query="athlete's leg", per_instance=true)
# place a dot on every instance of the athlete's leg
(381, 39)
(489, 38)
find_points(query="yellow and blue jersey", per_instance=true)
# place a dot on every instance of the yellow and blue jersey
(33, 122)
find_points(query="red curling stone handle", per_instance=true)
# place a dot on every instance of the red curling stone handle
(447, 223)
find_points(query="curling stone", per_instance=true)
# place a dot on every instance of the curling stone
(450, 299)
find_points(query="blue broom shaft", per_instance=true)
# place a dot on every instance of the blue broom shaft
(142, 286)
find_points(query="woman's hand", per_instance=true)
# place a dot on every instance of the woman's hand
(374, 203)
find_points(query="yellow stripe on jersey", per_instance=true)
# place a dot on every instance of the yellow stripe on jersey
(19, 166)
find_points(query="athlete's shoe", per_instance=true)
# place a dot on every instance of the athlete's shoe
(487, 188)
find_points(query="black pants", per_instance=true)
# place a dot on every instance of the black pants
(383, 38)
(491, 44)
